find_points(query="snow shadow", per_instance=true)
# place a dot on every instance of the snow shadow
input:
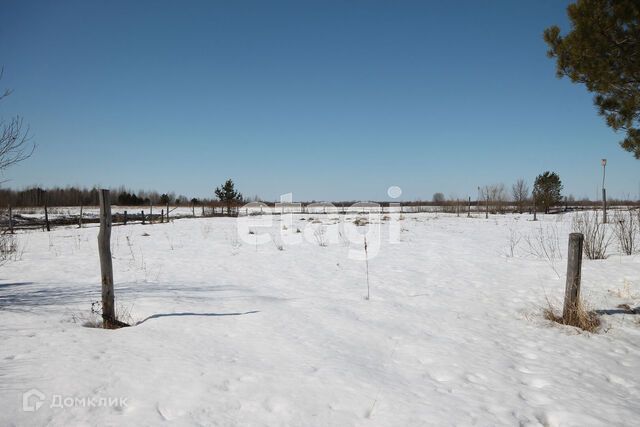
(619, 310)
(25, 295)
(7, 285)
(156, 316)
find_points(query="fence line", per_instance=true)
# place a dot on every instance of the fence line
(30, 218)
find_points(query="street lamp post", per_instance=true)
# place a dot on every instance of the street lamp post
(604, 192)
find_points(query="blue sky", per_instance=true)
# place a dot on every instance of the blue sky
(326, 99)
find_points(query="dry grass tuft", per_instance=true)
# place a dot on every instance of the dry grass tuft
(584, 319)
(361, 221)
(94, 319)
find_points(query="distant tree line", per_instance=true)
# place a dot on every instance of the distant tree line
(74, 196)
(547, 188)
(546, 194)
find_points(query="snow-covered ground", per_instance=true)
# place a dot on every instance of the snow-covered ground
(234, 332)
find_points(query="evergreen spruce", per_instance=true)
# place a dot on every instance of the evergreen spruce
(228, 195)
(547, 190)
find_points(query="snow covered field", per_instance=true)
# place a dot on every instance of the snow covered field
(232, 332)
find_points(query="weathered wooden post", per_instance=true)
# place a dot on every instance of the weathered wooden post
(125, 217)
(46, 217)
(203, 210)
(161, 216)
(457, 207)
(80, 219)
(106, 268)
(469, 209)
(604, 206)
(572, 287)
(150, 212)
(10, 220)
(142, 215)
(535, 210)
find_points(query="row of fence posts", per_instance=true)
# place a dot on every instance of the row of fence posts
(572, 285)
(47, 224)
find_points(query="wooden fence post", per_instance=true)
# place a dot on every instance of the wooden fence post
(469, 209)
(161, 216)
(80, 219)
(125, 217)
(142, 215)
(106, 268)
(604, 206)
(150, 212)
(203, 210)
(572, 287)
(457, 207)
(10, 220)
(535, 210)
(46, 217)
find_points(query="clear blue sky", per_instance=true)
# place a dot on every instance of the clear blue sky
(325, 99)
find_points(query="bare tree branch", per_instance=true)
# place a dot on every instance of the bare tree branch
(15, 142)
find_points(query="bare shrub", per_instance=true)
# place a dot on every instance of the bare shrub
(596, 238)
(514, 240)
(625, 292)
(9, 249)
(626, 231)
(320, 236)
(495, 196)
(544, 243)
(520, 194)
